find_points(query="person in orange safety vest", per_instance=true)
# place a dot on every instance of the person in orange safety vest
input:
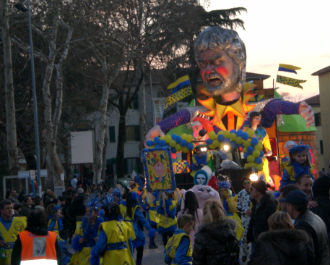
(35, 245)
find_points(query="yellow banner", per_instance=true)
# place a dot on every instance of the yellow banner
(289, 81)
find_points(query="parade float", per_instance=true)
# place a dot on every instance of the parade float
(221, 119)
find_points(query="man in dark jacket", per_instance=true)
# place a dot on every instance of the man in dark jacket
(297, 202)
(264, 205)
(284, 246)
(321, 188)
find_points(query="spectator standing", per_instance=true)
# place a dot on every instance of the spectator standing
(283, 193)
(243, 206)
(191, 207)
(297, 203)
(264, 205)
(321, 196)
(305, 183)
(36, 243)
(10, 227)
(74, 182)
(27, 205)
(282, 244)
(215, 241)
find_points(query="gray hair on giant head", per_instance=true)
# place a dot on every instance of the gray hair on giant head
(226, 39)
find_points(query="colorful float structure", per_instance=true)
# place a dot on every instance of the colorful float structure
(248, 150)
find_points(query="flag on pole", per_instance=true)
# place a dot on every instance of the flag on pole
(181, 89)
(288, 68)
(289, 81)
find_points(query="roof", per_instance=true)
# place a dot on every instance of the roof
(254, 76)
(322, 71)
(313, 101)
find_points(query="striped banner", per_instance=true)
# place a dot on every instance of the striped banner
(288, 68)
(289, 81)
(181, 94)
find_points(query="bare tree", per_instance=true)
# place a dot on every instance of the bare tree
(47, 32)
(9, 90)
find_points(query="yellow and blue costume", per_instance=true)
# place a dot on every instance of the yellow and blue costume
(9, 231)
(167, 218)
(178, 249)
(115, 241)
(89, 232)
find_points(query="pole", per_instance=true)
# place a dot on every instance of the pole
(35, 103)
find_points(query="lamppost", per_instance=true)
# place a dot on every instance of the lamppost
(22, 8)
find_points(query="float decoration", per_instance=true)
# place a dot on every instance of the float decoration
(158, 169)
(251, 146)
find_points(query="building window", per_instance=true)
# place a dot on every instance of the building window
(317, 118)
(135, 103)
(112, 134)
(131, 164)
(321, 147)
(133, 133)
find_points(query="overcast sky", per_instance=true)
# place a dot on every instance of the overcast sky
(294, 32)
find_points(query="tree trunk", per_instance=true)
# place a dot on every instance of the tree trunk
(54, 165)
(101, 126)
(9, 92)
(120, 158)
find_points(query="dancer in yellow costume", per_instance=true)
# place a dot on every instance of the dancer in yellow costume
(229, 203)
(261, 134)
(86, 236)
(10, 227)
(114, 241)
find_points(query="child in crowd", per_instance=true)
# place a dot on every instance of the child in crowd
(299, 164)
(178, 248)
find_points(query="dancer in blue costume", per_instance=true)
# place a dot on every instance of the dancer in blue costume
(150, 207)
(167, 215)
(133, 214)
(114, 241)
(87, 236)
(55, 223)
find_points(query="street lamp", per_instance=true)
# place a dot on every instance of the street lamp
(22, 8)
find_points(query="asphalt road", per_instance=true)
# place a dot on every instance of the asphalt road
(153, 256)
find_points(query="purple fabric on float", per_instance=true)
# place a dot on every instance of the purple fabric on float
(276, 107)
(175, 120)
(273, 108)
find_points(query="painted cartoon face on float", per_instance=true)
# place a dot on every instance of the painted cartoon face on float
(159, 169)
(196, 128)
(204, 193)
